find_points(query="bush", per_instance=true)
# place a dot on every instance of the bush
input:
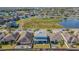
(54, 42)
(61, 43)
(77, 43)
(0, 46)
(49, 30)
(4, 43)
(36, 29)
(18, 43)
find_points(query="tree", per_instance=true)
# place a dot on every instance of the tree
(62, 11)
(2, 42)
(0, 45)
(67, 30)
(71, 32)
(12, 42)
(9, 29)
(36, 29)
(49, 30)
(61, 43)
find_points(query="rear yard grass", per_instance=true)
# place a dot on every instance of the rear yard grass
(76, 46)
(64, 46)
(41, 46)
(8, 46)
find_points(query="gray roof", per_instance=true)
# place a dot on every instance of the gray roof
(25, 39)
(56, 36)
(2, 35)
(8, 38)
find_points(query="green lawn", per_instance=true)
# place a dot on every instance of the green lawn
(8, 46)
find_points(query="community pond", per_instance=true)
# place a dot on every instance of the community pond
(70, 23)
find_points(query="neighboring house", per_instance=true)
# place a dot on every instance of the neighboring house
(25, 38)
(55, 38)
(67, 36)
(22, 17)
(2, 35)
(12, 24)
(74, 39)
(70, 38)
(27, 15)
(11, 37)
(8, 38)
(2, 21)
(16, 35)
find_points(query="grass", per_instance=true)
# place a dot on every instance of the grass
(45, 23)
(41, 46)
(59, 46)
(8, 46)
(64, 46)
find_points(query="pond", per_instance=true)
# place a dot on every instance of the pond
(70, 23)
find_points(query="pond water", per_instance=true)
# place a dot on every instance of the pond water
(70, 23)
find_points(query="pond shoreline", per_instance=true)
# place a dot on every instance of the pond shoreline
(70, 23)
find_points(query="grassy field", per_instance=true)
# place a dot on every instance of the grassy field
(45, 23)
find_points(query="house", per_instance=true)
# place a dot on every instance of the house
(70, 38)
(25, 38)
(55, 38)
(2, 35)
(41, 39)
(67, 35)
(74, 39)
(12, 24)
(8, 38)
(40, 36)
(2, 21)
(16, 34)
(11, 37)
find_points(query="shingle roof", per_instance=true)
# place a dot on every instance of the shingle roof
(9, 37)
